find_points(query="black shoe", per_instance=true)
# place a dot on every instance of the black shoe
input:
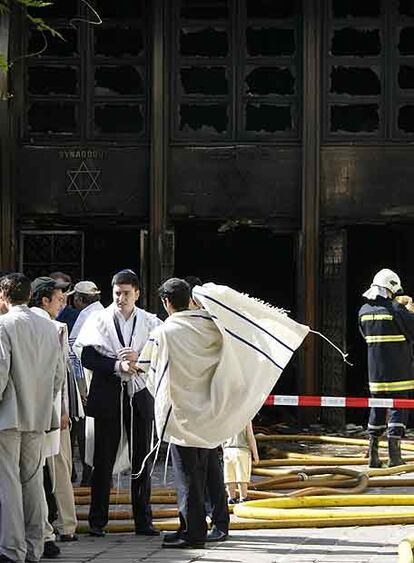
(171, 537)
(97, 532)
(68, 537)
(216, 535)
(50, 550)
(233, 500)
(5, 559)
(147, 531)
(183, 544)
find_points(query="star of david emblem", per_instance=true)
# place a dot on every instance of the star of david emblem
(83, 181)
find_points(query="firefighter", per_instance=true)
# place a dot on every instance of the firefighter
(388, 329)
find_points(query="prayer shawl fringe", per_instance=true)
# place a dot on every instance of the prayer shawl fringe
(245, 345)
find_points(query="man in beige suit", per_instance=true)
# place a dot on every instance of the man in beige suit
(31, 373)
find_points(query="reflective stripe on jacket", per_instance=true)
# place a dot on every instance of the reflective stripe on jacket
(388, 330)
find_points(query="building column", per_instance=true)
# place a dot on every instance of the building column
(333, 323)
(309, 282)
(158, 150)
(7, 237)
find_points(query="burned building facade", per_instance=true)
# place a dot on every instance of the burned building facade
(265, 144)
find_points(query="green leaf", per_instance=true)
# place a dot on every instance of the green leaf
(4, 7)
(34, 3)
(3, 63)
(41, 25)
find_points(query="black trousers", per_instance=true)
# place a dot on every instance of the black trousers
(107, 437)
(216, 492)
(77, 435)
(50, 497)
(397, 418)
(190, 471)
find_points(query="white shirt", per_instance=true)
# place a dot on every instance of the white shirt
(127, 327)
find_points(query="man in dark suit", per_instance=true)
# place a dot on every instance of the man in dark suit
(110, 342)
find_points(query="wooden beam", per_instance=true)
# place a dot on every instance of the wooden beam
(158, 150)
(312, 85)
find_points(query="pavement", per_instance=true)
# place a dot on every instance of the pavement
(354, 544)
(373, 544)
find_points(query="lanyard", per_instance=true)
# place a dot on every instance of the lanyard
(119, 331)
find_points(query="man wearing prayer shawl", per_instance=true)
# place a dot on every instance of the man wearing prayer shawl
(109, 344)
(209, 371)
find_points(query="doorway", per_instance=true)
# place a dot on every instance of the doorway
(108, 250)
(257, 261)
(371, 248)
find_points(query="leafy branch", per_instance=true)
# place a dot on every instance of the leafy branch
(37, 23)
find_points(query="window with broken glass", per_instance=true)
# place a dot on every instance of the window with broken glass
(93, 84)
(370, 71)
(236, 69)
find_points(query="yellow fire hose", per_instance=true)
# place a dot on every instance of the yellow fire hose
(295, 510)
(405, 550)
(325, 440)
(330, 487)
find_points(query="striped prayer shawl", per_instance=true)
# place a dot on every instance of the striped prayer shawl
(210, 370)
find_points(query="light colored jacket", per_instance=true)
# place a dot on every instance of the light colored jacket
(31, 371)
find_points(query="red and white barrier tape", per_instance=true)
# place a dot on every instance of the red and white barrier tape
(344, 402)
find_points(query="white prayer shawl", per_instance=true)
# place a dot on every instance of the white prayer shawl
(210, 370)
(93, 308)
(99, 331)
(86, 375)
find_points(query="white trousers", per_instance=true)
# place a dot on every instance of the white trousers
(21, 495)
(60, 468)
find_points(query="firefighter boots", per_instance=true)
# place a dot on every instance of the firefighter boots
(394, 451)
(374, 460)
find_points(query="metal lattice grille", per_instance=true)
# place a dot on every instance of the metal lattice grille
(43, 252)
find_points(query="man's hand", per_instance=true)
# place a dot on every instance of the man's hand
(127, 354)
(64, 421)
(407, 301)
(126, 367)
(256, 459)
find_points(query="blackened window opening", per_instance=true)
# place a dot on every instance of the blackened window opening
(406, 118)
(49, 80)
(269, 41)
(266, 118)
(355, 118)
(278, 9)
(203, 118)
(204, 42)
(355, 81)
(270, 80)
(406, 43)
(406, 77)
(118, 80)
(357, 42)
(204, 80)
(356, 8)
(204, 9)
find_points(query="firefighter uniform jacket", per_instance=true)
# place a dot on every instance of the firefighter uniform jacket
(388, 330)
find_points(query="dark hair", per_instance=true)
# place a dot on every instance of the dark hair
(87, 299)
(193, 281)
(126, 277)
(15, 288)
(61, 276)
(36, 300)
(178, 293)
